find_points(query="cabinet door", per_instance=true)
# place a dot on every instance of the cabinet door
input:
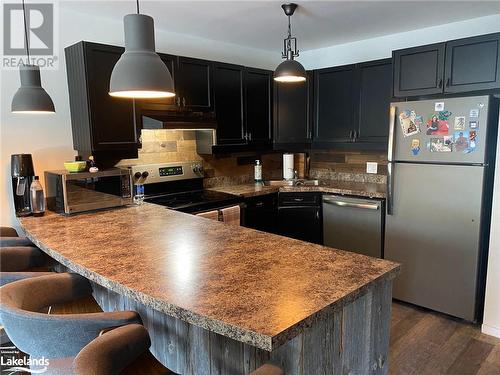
(473, 64)
(195, 84)
(112, 120)
(258, 106)
(228, 96)
(375, 88)
(260, 213)
(302, 223)
(292, 112)
(419, 71)
(334, 102)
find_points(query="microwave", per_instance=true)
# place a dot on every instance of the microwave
(70, 193)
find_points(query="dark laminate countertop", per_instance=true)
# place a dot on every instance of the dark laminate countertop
(257, 288)
(362, 189)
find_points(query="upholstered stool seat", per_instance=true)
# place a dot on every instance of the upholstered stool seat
(123, 350)
(53, 335)
(9, 237)
(22, 262)
(8, 232)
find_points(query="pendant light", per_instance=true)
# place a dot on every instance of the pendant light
(140, 73)
(290, 70)
(30, 97)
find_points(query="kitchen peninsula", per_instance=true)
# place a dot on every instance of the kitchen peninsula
(221, 299)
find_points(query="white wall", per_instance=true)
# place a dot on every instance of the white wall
(382, 47)
(491, 321)
(48, 137)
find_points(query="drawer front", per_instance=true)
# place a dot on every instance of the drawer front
(299, 199)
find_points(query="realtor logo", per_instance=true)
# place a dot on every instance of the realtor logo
(40, 35)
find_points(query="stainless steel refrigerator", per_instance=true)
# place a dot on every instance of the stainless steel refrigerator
(440, 178)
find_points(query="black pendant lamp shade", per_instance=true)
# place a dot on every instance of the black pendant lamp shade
(140, 73)
(31, 97)
(290, 70)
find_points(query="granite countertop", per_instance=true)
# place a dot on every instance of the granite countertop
(226, 279)
(362, 189)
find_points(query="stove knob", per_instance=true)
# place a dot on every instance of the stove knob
(137, 175)
(145, 174)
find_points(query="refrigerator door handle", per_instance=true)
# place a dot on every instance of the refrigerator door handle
(390, 188)
(392, 128)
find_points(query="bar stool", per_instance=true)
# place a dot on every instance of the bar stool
(21, 262)
(56, 335)
(9, 237)
(125, 351)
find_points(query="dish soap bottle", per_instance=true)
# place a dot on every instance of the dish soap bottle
(37, 198)
(258, 171)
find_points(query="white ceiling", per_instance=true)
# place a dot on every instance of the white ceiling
(316, 24)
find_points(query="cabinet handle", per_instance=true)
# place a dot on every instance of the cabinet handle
(245, 136)
(317, 215)
(448, 82)
(249, 136)
(440, 83)
(183, 102)
(259, 204)
(178, 101)
(350, 134)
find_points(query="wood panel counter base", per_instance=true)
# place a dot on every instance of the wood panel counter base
(353, 339)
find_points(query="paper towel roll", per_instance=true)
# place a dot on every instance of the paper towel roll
(287, 166)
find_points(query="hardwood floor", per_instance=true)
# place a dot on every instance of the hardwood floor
(429, 343)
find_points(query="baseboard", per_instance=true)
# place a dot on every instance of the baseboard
(489, 330)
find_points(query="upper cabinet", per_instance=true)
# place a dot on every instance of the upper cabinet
(293, 113)
(473, 64)
(375, 93)
(351, 104)
(419, 70)
(335, 102)
(194, 84)
(258, 106)
(458, 66)
(100, 122)
(229, 99)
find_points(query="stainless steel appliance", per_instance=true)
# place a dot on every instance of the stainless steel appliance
(78, 192)
(440, 178)
(179, 186)
(22, 174)
(353, 224)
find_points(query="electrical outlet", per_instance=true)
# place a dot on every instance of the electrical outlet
(371, 167)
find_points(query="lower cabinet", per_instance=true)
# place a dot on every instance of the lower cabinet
(260, 213)
(299, 216)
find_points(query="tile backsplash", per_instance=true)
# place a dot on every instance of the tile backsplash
(165, 146)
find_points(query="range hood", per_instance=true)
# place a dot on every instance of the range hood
(165, 117)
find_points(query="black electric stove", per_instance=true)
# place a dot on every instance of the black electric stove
(179, 186)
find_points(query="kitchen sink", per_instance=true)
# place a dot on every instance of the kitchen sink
(297, 182)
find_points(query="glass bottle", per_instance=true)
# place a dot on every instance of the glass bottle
(37, 198)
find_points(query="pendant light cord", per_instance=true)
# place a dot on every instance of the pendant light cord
(26, 33)
(289, 43)
(137, 4)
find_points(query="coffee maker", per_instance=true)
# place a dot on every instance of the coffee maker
(22, 173)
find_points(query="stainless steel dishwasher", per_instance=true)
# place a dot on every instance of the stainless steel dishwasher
(354, 224)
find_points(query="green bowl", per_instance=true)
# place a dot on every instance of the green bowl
(75, 166)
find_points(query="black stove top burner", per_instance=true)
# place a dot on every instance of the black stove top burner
(195, 201)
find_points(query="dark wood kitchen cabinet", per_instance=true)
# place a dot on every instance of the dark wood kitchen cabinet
(194, 84)
(243, 107)
(300, 217)
(457, 66)
(419, 70)
(100, 122)
(335, 102)
(258, 107)
(473, 64)
(229, 98)
(293, 113)
(261, 213)
(375, 93)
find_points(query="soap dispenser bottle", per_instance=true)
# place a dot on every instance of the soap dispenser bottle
(258, 171)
